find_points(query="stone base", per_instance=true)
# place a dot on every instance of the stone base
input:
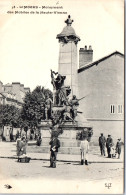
(69, 144)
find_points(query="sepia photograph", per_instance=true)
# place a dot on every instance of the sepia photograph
(62, 97)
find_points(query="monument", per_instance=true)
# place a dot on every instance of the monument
(63, 118)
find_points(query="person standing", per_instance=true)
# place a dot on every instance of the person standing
(109, 144)
(102, 142)
(55, 144)
(113, 151)
(18, 146)
(39, 140)
(84, 147)
(118, 147)
(23, 145)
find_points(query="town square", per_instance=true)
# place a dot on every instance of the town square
(62, 97)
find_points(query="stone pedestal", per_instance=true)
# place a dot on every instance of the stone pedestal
(69, 143)
(68, 65)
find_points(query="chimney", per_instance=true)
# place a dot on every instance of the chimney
(85, 56)
(85, 47)
(27, 89)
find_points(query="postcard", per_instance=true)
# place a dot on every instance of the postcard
(62, 96)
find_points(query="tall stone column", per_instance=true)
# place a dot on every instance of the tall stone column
(68, 56)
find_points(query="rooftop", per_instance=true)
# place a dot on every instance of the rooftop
(98, 61)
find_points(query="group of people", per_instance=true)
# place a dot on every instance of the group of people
(112, 150)
(84, 148)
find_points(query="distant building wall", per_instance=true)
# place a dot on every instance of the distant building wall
(22, 87)
(114, 128)
(13, 94)
(1, 86)
(8, 88)
(16, 89)
(2, 99)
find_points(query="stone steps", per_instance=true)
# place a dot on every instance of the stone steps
(62, 150)
(67, 146)
(65, 143)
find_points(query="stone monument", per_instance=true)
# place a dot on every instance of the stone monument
(66, 120)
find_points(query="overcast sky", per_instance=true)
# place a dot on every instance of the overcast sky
(28, 44)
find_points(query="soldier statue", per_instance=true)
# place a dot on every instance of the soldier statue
(48, 107)
(57, 82)
(74, 105)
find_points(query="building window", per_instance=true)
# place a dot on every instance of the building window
(112, 109)
(120, 109)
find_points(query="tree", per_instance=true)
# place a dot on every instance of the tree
(9, 115)
(33, 109)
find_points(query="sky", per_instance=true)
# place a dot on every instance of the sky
(28, 45)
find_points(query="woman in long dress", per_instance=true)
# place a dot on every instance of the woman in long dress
(19, 146)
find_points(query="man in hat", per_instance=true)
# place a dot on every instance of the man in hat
(84, 147)
(109, 144)
(55, 144)
(118, 147)
(102, 142)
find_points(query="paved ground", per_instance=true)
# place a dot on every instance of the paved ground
(68, 177)
(8, 149)
(46, 179)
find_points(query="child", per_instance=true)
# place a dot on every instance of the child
(113, 151)
(84, 147)
(118, 147)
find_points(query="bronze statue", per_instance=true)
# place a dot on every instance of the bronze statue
(63, 93)
(74, 105)
(57, 83)
(63, 109)
(48, 108)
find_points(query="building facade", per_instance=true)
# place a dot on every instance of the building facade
(102, 82)
(12, 94)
